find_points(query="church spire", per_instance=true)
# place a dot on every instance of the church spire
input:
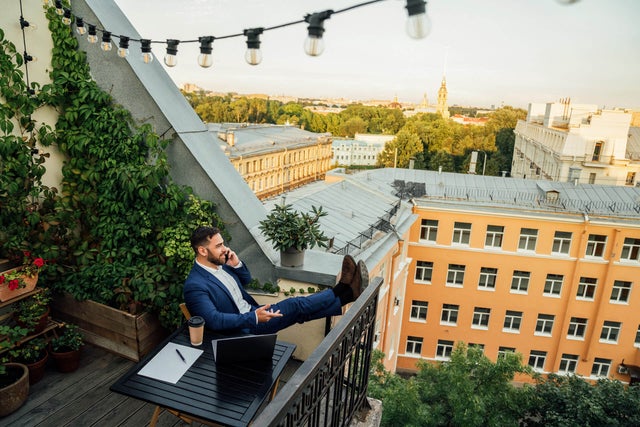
(442, 108)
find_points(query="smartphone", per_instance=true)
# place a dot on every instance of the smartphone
(226, 257)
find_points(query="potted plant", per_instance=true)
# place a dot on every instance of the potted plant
(14, 377)
(34, 354)
(22, 279)
(33, 313)
(291, 232)
(66, 348)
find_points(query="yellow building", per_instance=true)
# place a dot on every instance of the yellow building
(549, 270)
(273, 159)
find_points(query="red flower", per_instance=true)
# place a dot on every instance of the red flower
(2, 279)
(14, 284)
(38, 262)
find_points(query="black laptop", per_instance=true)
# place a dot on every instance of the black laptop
(244, 348)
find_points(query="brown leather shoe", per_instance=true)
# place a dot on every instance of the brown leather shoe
(348, 269)
(363, 271)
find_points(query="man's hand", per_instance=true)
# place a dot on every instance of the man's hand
(231, 258)
(265, 313)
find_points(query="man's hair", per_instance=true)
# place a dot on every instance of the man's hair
(201, 236)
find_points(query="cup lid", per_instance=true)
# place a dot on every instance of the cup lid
(196, 321)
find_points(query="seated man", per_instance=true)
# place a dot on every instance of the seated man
(215, 290)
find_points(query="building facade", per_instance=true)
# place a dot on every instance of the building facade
(362, 150)
(576, 143)
(272, 158)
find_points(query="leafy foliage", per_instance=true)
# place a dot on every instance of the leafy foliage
(287, 228)
(71, 339)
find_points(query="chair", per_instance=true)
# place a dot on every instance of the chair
(185, 311)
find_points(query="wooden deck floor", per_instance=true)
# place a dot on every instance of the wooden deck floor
(83, 399)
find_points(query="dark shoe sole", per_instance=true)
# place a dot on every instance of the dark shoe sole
(348, 270)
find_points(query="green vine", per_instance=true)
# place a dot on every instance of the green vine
(119, 227)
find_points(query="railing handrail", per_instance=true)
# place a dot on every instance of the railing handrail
(324, 369)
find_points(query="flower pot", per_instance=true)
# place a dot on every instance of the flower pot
(291, 258)
(40, 325)
(36, 369)
(14, 388)
(67, 361)
(7, 294)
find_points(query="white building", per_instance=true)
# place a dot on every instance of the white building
(363, 150)
(577, 143)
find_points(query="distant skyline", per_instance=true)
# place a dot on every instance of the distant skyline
(493, 52)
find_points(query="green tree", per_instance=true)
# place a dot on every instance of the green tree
(400, 150)
(442, 159)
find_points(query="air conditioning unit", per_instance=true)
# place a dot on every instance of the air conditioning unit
(623, 370)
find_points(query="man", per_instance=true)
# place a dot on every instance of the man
(214, 290)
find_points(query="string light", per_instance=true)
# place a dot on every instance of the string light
(106, 41)
(123, 49)
(26, 25)
(28, 58)
(253, 55)
(170, 59)
(418, 24)
(314, 44)
(93, 36)
(80, 29)
(147, 56)
(204, 59)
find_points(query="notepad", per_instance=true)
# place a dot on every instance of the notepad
(167, 364)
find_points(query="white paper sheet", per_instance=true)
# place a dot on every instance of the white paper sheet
(167, 364)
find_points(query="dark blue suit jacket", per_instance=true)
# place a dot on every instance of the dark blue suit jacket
(206, 296)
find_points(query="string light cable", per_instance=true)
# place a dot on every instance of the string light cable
(313, 45)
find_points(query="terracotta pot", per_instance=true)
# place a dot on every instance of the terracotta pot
(39, 326)
(14, 393)
(67, 361)
(7, 294)
(36, 369)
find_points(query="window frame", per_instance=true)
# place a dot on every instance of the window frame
(570, 362)
(421, 308)
(537, 356)
(544, 325)
(595, 246)
(621, 289)
(610, 332)
(552, 282)
(461, 233)
(512, 317)
(414, 342)
(444, 348)
(451, 310)
(497, 233)
(481, 317)
(487, 279)
(521, 278)
(598, 364)
(422, 270)
(427, 227)
(585, 285)
(528, 237)
(455, 270)
(560, 241)
(631, 246)
(577, 328)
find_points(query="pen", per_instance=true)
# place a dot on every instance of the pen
(181, 356)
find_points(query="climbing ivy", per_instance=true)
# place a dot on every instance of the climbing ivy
(119, 226)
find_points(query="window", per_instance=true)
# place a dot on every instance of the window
(610, 332)
(537, 359)
(520, 282)
(504, 350)
(544, 325)
(620, 292)
(592, 178)
(494, 236)
(631, 249)
(568, 363)
(595, 245)
(455, 275)
(636, 343)
(587, 288)
(461, 233)
(597, 150)
(444, 349)
(481, 318)
(424, 270)
(419, 310)
(600, 367)
(414, 345)
(577, 328)
(561, 242)
(512, 320)
(488, 278)
(528, 237)
(631, 177)
(476, 345)
(449, 314)
(553, 285)
(429, 230)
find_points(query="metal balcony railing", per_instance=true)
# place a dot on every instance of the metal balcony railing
(330, 387)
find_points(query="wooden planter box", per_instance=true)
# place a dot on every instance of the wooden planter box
(109, 328)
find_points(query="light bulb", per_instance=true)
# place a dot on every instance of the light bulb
(26, 25)
(205, 60)
(253, 56)
(147, 56)
(59, 9)
(123, 47)
(93, 36)
(80, 28)
(66, 18)
(170, 59)
(28, 58)
(313, 45)
(418, 23)
(106, 41)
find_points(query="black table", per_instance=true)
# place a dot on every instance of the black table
(223, 394)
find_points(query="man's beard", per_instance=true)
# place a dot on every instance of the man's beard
(212, 259)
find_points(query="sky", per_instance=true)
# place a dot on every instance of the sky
(492, 52)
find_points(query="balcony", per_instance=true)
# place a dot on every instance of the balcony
(329, 388)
